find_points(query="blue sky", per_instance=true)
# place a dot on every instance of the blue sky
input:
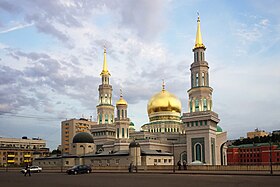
(51, 55)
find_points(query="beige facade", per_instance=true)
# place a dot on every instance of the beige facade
(16, 151)
(168, 137)
(257, 133)
(71, 127)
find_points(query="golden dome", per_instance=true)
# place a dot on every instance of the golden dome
(121, 101)
(164, 101)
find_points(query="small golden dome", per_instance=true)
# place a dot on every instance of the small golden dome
(121, 101)
(164, 101)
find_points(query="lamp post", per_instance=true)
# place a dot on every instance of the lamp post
(270, 155)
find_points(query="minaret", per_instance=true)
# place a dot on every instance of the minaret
(122, 121)
(200, 94)
(105, 109)
(200, 122)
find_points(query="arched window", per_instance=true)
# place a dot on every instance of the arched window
(118, 132)
(196, 79)
(196, 105)
(112, 118)
(106, 118)
(118, 112)
(198, 152)
(122, 114)
(204, 104)
(191, 109)
(125, 116)
(100, 118)
(191, 80)
(183, 156)
(203, 79)
(207, 79)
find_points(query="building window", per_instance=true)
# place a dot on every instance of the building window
(196, 79)
(191, 80)
(118, 111)
(118, 132)
(122, 114)
(196, 105)
(198, 152)
(202, 81)
(122, 132)
(100, 118)
(191, 106)
(106, 118)
(204, 104)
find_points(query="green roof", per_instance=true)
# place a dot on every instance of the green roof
(219, 129)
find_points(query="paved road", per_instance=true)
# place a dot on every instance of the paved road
(15, 179)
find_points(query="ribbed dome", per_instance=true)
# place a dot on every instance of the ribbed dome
(83, 137)
(121, 101)
(164, 101)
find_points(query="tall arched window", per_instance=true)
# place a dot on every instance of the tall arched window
(106, 118)
(203, 79)
(198, 152)
(196, 79)
(118, 112)
(191, 80)
(100, 118)
(196, 105)
(122, 114)
(204, 104)
(112, 118)
(191, 109)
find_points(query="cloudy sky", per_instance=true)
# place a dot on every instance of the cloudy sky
(51, 55)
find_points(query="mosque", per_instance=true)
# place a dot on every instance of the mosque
(169, 136)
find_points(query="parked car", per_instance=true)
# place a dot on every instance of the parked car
(33, 169)
(79, 169)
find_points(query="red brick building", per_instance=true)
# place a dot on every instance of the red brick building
(253, 154)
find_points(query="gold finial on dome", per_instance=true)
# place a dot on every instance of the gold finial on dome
(121, 101)
(198, 41)
(105, 68)
(163, 85)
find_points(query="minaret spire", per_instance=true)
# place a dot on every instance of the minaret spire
(198, 40)
(105, 68)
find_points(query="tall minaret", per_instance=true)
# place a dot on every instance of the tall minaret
(200, 94)
(200, 123)
(105, 109)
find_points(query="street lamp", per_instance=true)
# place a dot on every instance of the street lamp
(270, 154)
